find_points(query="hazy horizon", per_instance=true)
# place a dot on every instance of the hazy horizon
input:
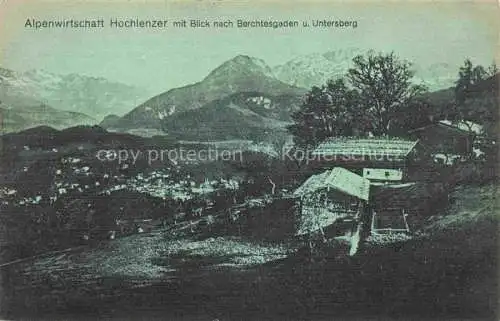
(159, 60)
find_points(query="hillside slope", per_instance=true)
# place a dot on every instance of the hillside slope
(447, 274)
(20, 112)
(240, 74)
(248, 116)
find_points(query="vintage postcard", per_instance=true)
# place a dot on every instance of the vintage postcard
(249, 160)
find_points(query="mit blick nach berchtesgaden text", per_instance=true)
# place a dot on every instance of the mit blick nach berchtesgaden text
(136, 23)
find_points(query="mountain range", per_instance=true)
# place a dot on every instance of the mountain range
(20, 110)
(220, 105)
(317, 68)
(242, 98)
(240, 74)
(92, 96)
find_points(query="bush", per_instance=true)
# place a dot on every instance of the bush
(474, 172)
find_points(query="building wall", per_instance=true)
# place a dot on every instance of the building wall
(447, 141)
(324, 213)
(359, 167)
(383, 174)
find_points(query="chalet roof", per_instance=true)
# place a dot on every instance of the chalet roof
(461, 128)
(467, 126)
(355, 147)
(339, 179)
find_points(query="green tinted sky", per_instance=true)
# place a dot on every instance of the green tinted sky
(425, 33)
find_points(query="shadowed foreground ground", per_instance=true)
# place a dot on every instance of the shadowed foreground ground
(451, 273)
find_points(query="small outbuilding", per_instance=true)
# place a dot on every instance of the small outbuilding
(330, 196)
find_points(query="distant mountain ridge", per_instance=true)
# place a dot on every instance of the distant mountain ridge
(317, 68)
(437, 76)
(221, 92)
(76, 93)
(279, 90)
(19, 111)
(13, 120)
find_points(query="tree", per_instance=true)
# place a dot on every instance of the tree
(467, 87)
(418, 113)
(378, 99)
(476, 101)
(470, 76)
(384, 85)
(327, 111)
